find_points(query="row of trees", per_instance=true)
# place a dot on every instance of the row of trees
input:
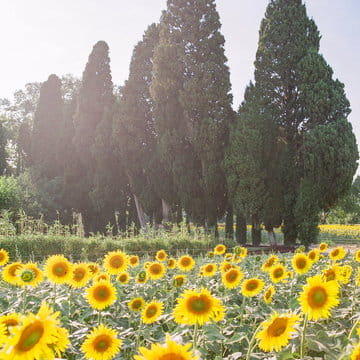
(168, 142)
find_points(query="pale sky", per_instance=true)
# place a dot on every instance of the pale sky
(40, 37)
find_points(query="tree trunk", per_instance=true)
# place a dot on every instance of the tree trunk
(241, 231)
(216, 231)
(255, 231)
(166, 210)
(229, 223)
(272, 237)
(140, 212)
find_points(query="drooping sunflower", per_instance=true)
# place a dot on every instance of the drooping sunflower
(169, 351)
(179, 280)
(161, 255)
(101, 276)
(134, 260)
(116, 262)
(277, 273)
(58, 269)
(337, 253)
(232, 278)
(80, 275)
(4, 257)
(301, 263)
(156, 270)
(171, 263)
(10, 320)
(355, 355)
(357, 255)
(101, 344)
(269, 263)
(101, 294)
(152, 311)
(94, 268)
(276, 332)
(34, 338)
(252, 287)
(198, 307)
(314, 255)
(268, 294)
(219, 249)
(136, 304)
(185, 263)
(208, 269)
(323, 247)
(123, 278)
(319, 297)
(9, 273)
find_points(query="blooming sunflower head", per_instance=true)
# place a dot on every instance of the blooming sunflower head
(101, 276)
(355, 355)
(319, 297)
(275, 332)
(94, 268)
(123, 278)
(101, 294)
(10, 320)
(170, 350)
(357, 255)
(278, 273)
(219, 249)
(226, 266)
(337, 253)
(58, 269)
(185, 263)
(4, 257)
(80, 275)
(134, 260)
(10, 271)
(301, 263)
(269, 263)
(136, 304)
(101, 344)
(210, 254)
(268, 294)
(179, 280)
(232, 278)
(171, 264)
(156, 270)
(151, 312)
(161, 255)
(314, 255)
(116, 262)
(208, 269)
(252, 287)
(323, 247)
(198, 307)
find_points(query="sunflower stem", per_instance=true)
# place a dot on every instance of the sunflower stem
(353, 329)
(196, 327)
(24, 294)
(99, 317)
(54, 295)
(302, 344)
(252, 343)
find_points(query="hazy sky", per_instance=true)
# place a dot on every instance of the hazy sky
(40, 37)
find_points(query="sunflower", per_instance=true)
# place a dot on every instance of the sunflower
(179, 280)
(323, 247)
(171, 263)
(34, 338)
(147, 264)
(142, 277)
(219, 249)
(319, 297)
(225, 267)
(123, 278)
(228, 256)
(355, 355)
(346, 272)
(208, 269)
(241, 251)
(357, 255)
(9, 320)
(337, 253)
(332, 273)
(236, 258)
(268, 294)
(29, 274)
(116, 262)
(210, 254)
(4, 257)
(170, 350)
(151, 312)
(277, 273)
(232, 278)
(301, 263)
(314, 255)
(101, 276)
(134, 260)
(9, 273)
(58, 269)
(80, 275)
(358, 278)
(276, 332)
(101, 294)
(94, 268)
(61, 341)
(186, 263)
(101, 344)
(252, 287)
(198, 307)
(156, 270)
(269, 263)
(161, 255)
(136, 304)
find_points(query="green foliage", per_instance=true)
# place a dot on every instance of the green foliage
(9, 199)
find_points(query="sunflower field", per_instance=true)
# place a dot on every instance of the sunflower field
(220, 306)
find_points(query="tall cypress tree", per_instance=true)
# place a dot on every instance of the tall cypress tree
(296, 88)
(48, 121)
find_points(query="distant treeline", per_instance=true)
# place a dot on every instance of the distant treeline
(168, 145)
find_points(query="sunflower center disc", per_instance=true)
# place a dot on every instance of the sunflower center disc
(278, 273)
(59, 270)
(319, 297)
(151, 312)
(30, 337)
(198, 305)
(171, 356)
(301, 263)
